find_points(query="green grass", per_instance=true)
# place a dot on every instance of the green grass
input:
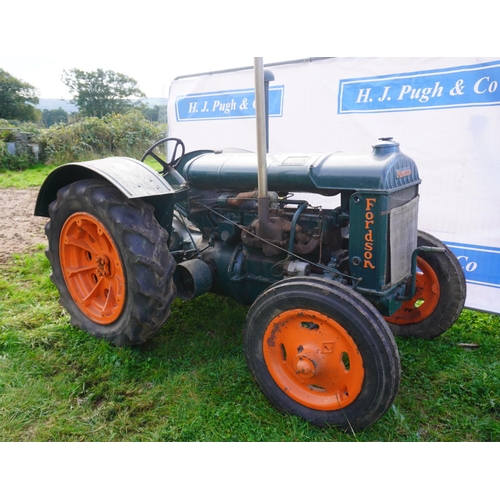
(191, 383)
(35, 175)
(31, 177)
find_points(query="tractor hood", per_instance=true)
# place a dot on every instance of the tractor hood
(386, 169)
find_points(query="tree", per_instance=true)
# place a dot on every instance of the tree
(17, 98)
(52, 116)
(99, 93)
(151, 113)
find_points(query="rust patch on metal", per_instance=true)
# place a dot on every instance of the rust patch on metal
(271, 341)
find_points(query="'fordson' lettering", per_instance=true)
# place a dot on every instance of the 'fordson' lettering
(403, 173)
(369, 221)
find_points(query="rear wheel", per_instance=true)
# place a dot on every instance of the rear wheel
(321, 351)
(110, 262)
(439, 297)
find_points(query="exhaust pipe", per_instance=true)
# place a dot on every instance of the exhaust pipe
(260, 110)
(264, 228)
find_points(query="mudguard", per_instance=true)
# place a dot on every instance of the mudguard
(132, 177)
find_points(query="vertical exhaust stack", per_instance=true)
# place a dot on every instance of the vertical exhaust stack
(268, 77)
(265, 227)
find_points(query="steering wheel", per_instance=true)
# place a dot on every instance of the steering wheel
(176, 157)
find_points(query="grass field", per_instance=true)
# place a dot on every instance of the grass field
(32, 177)
(191, 383)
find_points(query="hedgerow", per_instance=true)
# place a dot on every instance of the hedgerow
(90, 138)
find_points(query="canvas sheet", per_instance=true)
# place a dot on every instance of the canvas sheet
(444, 112)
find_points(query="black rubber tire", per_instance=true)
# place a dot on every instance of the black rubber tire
(453, 292)
(359, 318)
(142, 246)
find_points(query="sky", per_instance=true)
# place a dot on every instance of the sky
(154, 42)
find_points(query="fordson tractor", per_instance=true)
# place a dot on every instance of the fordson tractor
(327, 288)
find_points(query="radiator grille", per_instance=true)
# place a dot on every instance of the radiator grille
(403, 227)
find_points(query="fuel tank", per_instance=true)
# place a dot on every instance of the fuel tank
(386, 169)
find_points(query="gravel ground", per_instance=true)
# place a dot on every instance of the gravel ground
(20, 230)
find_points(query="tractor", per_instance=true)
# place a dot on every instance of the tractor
(327, 288)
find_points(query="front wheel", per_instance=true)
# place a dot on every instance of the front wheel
(439, 297)
(110, 262)
(319, 350)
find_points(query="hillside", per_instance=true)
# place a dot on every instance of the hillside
(71, 108)
(56, 104)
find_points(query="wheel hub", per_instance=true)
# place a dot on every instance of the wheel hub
(103, 267)
(304, 366)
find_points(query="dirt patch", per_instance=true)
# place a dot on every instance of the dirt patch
(20, 230)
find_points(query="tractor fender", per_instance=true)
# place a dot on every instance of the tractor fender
(132, 177)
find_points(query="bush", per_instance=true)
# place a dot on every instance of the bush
(14, 162)
(90, 138)
(133, 133)
(9, 127)
(83, 140)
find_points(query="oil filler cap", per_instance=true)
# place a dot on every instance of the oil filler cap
(385, 146)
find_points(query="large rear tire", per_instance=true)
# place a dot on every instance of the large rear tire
(439, 297)
(110, 262)
(319, 350)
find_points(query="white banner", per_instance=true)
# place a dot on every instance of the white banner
(443, 111)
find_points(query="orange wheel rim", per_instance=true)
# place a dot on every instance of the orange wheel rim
(313, 359)
(425, 300)
(92, 268)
